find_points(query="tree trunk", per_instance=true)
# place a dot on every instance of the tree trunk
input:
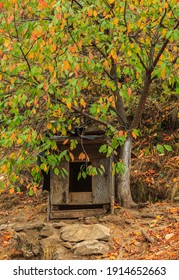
(123, 190)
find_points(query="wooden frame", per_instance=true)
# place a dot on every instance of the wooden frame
(65, 204)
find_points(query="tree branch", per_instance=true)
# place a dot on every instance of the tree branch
(99, 50)
(106, 124)
(117, 97)
(175, 59)
(141, 61)
(76, 3)
(142, 101)
(163, 48)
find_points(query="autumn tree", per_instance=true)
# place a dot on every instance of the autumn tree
(65, 63)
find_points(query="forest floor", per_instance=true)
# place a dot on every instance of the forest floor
(148, 233)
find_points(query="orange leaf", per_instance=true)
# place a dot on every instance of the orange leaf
(83, 103)
(66, 64)
(49, 125)
(120, 133)
(129, 91)
(43, 4)
(1, 5)
(82, 156)
(66, 141)
(69, 105)
(134, 135)
(51, 68)
(19, 141)
(35, 189)
(105, 63)
(35, 101)
(11, 191)
(59, 16)
(71, 156)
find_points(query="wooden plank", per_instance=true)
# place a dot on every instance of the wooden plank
(69, 214)
(80, 197)
(101, 187)
(59, 186)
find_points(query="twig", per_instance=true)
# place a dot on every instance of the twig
(99, 50)
(149, 238)
(141, 61)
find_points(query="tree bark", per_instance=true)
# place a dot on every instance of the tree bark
(123, 191)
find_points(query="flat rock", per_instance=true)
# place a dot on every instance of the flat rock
(90, 247)
(49, 247)
(59, 252)
(77, 233)
(59, 225)
(47, 231)
(28, 227)
(52, 240)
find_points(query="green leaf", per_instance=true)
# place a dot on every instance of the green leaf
(168, 148)
(31, 192)
(56, 171)
(160, 149)
(103, 148)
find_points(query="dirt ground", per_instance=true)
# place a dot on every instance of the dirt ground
(151, 232)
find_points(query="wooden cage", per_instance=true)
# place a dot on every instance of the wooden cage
(73, 198)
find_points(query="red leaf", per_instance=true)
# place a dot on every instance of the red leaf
(1, 5)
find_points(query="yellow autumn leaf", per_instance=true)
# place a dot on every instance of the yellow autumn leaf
(115, 21)
(53, 48)
(12, 155)
(19, 141)
(163, 73)
(114, 55)
(111, 1)
(45, 167)
(66, 64)
(75, 103)
(95, 13)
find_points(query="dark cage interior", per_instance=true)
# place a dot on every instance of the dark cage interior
(82, 184)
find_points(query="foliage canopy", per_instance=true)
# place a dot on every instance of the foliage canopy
(66, 63)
